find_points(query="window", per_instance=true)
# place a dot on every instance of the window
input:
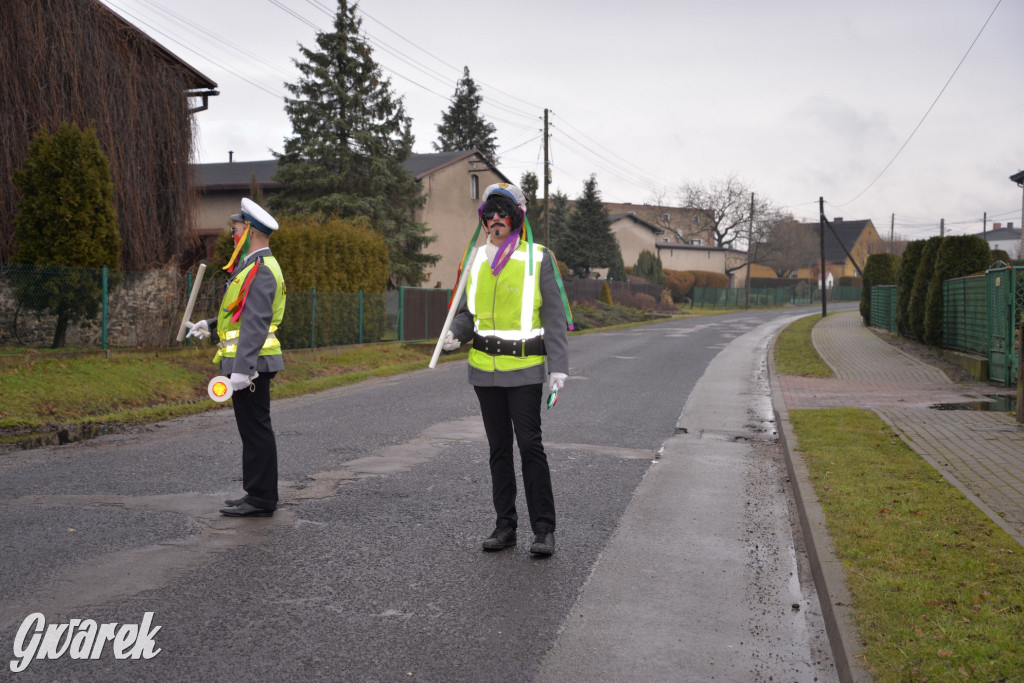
(474, 186)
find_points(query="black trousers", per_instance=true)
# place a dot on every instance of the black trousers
(259, 448)
(508, 410)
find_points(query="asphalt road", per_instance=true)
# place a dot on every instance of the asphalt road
(677, 557)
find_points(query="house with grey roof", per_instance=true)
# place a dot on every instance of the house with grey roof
(847, 247)
(1005, 237)
(452, 183)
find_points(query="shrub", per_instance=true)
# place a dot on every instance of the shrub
(905, 275)
(66, 218)
(606, 293)
(679, 284)
(341, 255)
(644, 302)
(880, 269)
(922, 282)
(648, 266)
(707, 278)
(338, 257)
(957, 256)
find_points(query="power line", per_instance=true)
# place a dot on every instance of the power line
(191, 49)
(642, 171)
(428, 53)
(934, 102)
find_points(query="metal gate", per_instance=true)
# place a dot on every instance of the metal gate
(1004, 290)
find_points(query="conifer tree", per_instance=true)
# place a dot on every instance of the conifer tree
(588, 238)
(66, 217)
(559, 222)
(648, 266)
(462, 127)
(351, 136)
(529, 184)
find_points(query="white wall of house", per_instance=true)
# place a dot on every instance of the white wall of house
(633, 238)
(450, 214)
(706, 258)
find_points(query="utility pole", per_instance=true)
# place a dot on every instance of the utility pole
(942, 227)
(821, 218)
(547, 181)
(892, 235)
(984, 223)
(750, 246)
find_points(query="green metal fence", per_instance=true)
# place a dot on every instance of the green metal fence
(883, 307)
(1004, 307)
(50, 306)
(982, 315)
(712, 297)
(964, 315)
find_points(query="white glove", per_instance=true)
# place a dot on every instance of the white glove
(239, 381)
(557, 380)
(450, 343)
(199, 330)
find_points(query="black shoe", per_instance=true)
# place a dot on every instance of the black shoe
(246, 510)
(234, 502)
(543, 543)
(503, 537)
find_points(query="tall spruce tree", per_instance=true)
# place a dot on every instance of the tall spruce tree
(529, 184)
(588, 237)
(351, 136)
(462, 127)
(559, 223)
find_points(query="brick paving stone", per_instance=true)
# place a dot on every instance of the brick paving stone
(982, 451)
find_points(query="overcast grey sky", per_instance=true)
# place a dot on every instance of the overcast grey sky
(799, 99)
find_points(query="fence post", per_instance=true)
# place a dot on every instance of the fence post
(105, 293)
(360, 316)
(1020, 373)
(401, 313)
(312, 319)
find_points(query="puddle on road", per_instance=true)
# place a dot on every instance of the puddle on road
(996, 404)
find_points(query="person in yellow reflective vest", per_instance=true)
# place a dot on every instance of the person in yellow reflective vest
(249, 353)
(513, 313)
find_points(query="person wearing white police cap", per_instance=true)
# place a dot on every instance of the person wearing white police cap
(515, 314)
(249, 353)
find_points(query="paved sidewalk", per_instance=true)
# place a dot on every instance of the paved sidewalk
(979, 452)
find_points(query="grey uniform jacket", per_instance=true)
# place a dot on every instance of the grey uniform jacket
(556, 338)
(255, 323)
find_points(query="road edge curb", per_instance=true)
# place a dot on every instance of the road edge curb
(826, 569)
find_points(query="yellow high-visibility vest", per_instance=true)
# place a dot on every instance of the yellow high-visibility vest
(228, 330)
(506, 306)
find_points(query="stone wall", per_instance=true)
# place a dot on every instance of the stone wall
(144, 311)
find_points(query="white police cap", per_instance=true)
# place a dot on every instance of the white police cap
(256, 216)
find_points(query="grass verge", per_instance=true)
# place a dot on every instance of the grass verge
(48, 394)
(794, 351)
(938, 588)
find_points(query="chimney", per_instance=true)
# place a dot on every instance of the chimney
(230, 156)
(997, 226)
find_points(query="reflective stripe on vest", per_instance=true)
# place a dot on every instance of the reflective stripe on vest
(228, 347)
(228, 331)
(506, 306)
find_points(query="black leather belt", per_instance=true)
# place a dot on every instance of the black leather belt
(503, 347)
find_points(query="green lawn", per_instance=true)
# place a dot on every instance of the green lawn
(938, 588)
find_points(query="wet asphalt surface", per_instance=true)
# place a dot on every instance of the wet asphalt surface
(371, 570)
